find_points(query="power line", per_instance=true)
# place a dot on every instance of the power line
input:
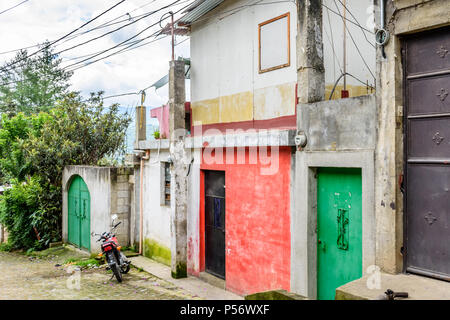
(127, 40)
(339, 14)
(128, 48)
(103, 35)
(14, 6)
(103, 25)
(65, 36)
(356, 20)
(356, 46)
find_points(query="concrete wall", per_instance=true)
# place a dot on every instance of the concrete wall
(110, 194)
(3, 235)
(341, 133)
(156, 214)
(346, 124)
(225, 83)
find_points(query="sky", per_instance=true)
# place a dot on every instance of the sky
(35, 21)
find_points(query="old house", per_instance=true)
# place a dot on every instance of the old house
(313, 157)
(239, 211)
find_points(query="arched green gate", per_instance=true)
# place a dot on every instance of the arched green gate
(79, 211)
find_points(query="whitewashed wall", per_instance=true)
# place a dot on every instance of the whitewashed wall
(224, 54)
(156, 224)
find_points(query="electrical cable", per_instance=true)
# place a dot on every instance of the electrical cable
(103, 25)
(6, 10)
(340, 77)
(125, 41)
(356, 20)
(354, 43)
(107, 33)
(339, 14)
(136, 35)
(65, 36)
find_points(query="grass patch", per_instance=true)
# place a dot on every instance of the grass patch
(5, 247)
(83, 263)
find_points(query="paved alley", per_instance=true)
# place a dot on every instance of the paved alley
(30, 278)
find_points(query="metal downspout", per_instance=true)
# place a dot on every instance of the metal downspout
(382, 23)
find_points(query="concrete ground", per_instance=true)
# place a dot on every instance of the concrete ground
(190, 284)
(29, 278)
(418, 288)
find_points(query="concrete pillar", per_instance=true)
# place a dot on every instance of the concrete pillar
(140, 125)
(310, 65)
(177, 97)
(179, 168)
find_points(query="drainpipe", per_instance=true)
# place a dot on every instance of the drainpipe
(141, 199)
(382, 35)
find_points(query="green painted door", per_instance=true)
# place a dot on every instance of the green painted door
(339, 229)
(79, 208)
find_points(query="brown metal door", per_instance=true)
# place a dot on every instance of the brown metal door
(427, 142)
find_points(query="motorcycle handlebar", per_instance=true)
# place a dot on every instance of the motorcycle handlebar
(101, 235)
(116, 225)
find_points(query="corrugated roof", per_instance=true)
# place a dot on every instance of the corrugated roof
(198, 9)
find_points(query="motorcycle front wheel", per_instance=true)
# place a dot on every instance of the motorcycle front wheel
(112, 261)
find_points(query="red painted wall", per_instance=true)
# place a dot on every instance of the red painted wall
(257, 225)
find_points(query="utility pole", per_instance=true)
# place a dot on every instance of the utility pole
(344, 44)
(179, 166)
(310, 64)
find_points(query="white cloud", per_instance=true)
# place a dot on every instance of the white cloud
(38, 20)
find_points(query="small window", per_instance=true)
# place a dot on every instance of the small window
(165, 183)
(274, 43)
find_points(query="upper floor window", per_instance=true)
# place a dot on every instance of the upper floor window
(274, 43)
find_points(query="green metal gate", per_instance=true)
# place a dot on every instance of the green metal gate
(79, 211)
(339, 229)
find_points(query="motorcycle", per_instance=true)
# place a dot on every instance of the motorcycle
(117, 261)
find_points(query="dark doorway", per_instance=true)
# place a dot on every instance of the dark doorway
(215, 223)
(427, 145)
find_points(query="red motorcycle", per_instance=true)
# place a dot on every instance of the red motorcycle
(117, 261)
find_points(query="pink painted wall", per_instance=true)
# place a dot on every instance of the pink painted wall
(258, 240)
(162, 113)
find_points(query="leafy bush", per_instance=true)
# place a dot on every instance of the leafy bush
(17, 205)
(5, 246)
(30, 212)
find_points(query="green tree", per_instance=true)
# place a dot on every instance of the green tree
(77, 133)
(35, 149)
(32, 84)
(13, 132)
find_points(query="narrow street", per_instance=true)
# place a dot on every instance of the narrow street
(28, 278)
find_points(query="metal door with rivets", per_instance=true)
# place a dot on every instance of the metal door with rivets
(426, 59)
(79, 207)
(215, 223)
(339, 229)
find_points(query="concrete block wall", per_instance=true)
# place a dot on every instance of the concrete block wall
(121, 192)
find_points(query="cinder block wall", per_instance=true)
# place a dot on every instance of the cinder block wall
(121, 191)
